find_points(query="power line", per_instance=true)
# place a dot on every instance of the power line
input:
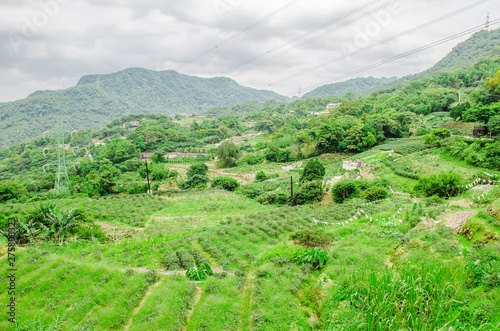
(303, 40)
(235, 35)
(400, 56)
(421, 26)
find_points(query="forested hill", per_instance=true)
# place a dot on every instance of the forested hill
(351, 85)
(483, 44)
(98, 99)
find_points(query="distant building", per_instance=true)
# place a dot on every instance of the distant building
(331, 106)
(131, 126)
(348, 165)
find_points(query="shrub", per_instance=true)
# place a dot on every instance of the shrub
(309, 192)
(185, 259)
(375, 193)
(197, 181)
(275, 198)
(317, 257)
(197, 169)
(343, 190)
(311, 237)
(171, 261)
(227, 183)
(444, 185)
(260, 176)
(314, 170)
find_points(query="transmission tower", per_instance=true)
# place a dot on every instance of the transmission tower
(61, 184)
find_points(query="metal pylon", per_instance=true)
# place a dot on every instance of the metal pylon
(62, 180)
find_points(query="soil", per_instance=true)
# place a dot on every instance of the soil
(456, 220)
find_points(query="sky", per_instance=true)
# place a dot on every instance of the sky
(288, 46)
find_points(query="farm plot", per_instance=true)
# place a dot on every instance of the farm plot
(133, 210)
(193, 212)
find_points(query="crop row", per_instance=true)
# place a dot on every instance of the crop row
(401, 169)
(404, 147)
(130, 209)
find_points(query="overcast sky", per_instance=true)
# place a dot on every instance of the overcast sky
(279, 45)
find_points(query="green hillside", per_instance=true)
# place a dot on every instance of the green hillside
(483, 44)
(98, 99)
(351, 85)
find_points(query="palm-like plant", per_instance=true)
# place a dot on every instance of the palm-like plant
(199, 274)
(58, 222)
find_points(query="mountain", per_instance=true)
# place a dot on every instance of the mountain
(351, 85)
(98, 99)
(482, 44)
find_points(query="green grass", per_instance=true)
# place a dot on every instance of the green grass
(53, 290)
(167, 307)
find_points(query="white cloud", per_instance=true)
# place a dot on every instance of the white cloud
(49, 44)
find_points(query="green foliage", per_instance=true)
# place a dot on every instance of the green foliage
(436, 135)
(227, 183)
(483, 267)
(199, 273)
(171, 260)
(275, 154)
(481, 113)
(227, 154)
(314, 170)
(317, 257)
(195, 181)
(10, 190)
(400, 169)
(375, 193)
(494, 124)
(343, 190)
(309, 192)
(445, 184)
(197, 169)
(260, 176)
(315, 236)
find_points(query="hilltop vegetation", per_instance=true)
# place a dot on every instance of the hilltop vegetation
(99, 99)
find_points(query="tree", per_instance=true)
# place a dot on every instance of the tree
(196, 181)
(227, 183)
(314, 170)
(199, 168)
(494, 124)
(227, 154)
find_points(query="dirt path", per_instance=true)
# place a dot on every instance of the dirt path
(248, 289)
(197, 297)
(143, 301)
(456, 220)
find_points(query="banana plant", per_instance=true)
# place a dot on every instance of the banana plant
(199, 274)
(317, 257)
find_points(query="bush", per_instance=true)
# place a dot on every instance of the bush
(311, 237)
(343, 190)
(317, 257)
(309, 192)
(260, 176)
(275, 198)
(375, 193)
(196, 181)
(314, 170)
(227, 183)
(185, 259)
(197, 169)
(446, 184)
(171, 261)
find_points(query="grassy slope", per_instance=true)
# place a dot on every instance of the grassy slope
(389, 267)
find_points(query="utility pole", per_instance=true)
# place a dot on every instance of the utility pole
(488, 21)
(147, 175)
(291, 189)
